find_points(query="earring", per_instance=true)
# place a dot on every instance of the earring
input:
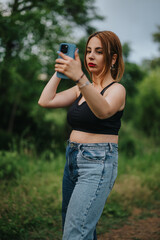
(112, 67)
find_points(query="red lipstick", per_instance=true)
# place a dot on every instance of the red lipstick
(91, 64)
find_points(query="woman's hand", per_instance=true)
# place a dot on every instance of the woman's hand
(69, 66)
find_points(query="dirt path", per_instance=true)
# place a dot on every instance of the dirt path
(136, 229)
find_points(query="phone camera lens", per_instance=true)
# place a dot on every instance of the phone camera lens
(64, 48)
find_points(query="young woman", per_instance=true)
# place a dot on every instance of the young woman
(95, 117)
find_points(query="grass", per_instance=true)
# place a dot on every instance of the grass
(30, 198)
(136, 188)
(30, 190)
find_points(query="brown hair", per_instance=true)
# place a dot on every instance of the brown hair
(111, 45)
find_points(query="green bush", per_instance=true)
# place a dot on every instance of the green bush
(147, 103)
(11, 166)
(30, 202)
(128, 143)
(5, 140)
(30, 190)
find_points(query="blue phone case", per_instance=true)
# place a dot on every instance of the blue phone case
(70, 53)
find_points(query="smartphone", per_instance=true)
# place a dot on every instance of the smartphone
(69, 50)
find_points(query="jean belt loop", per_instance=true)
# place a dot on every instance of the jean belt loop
(110, 147)
(79, 147)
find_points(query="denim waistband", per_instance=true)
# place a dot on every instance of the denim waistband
(92, 145)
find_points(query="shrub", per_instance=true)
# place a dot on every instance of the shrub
(5, 140)
(12, 165)
(148, 104)
(128, 142)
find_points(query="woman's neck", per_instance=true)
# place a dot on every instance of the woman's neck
(98, 82)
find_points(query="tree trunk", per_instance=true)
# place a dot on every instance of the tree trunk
(12, 117)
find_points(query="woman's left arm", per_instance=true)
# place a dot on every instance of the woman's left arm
(102, 106)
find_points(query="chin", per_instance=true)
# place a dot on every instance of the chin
(94, 71)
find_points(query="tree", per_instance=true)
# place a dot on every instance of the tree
(147, 102)
(156, 38)
(43, 24)
(30, 32)
(126, 51)
(149, 64)
(133, 74)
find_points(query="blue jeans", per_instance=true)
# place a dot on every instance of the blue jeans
(89, 176)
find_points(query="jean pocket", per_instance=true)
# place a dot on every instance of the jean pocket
(93, 154)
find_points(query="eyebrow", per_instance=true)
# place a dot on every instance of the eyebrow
(97, 48)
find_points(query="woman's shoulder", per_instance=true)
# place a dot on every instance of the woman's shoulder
(116, 88)
(119, 86)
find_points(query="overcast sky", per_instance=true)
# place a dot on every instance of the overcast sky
(134, 21)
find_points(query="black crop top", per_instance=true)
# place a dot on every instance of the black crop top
(81, 118)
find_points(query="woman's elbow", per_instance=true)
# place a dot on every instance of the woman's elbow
(42, 103)
(47, 104)
(103, 115)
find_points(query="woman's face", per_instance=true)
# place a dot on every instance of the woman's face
(95, 56)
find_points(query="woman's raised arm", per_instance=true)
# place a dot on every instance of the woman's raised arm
(51, 99)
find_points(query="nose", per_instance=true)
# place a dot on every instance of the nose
(91, 55)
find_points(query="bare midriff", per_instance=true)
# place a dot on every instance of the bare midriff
(84, 137)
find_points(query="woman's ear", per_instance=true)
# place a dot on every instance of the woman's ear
(114, 58)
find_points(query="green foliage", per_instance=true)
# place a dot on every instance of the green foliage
(147, 104)
(31, 173)
(155, 63)
(30, 34)
(30, 189)
(128, 140)
(9, 166)
(150, 64)
(156, 36)
(132, 76)
(5, 140)
(27, 184)
(126, 51)
(114, 215)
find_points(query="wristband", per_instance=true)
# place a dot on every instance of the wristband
(85, 84)
(77, 81)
